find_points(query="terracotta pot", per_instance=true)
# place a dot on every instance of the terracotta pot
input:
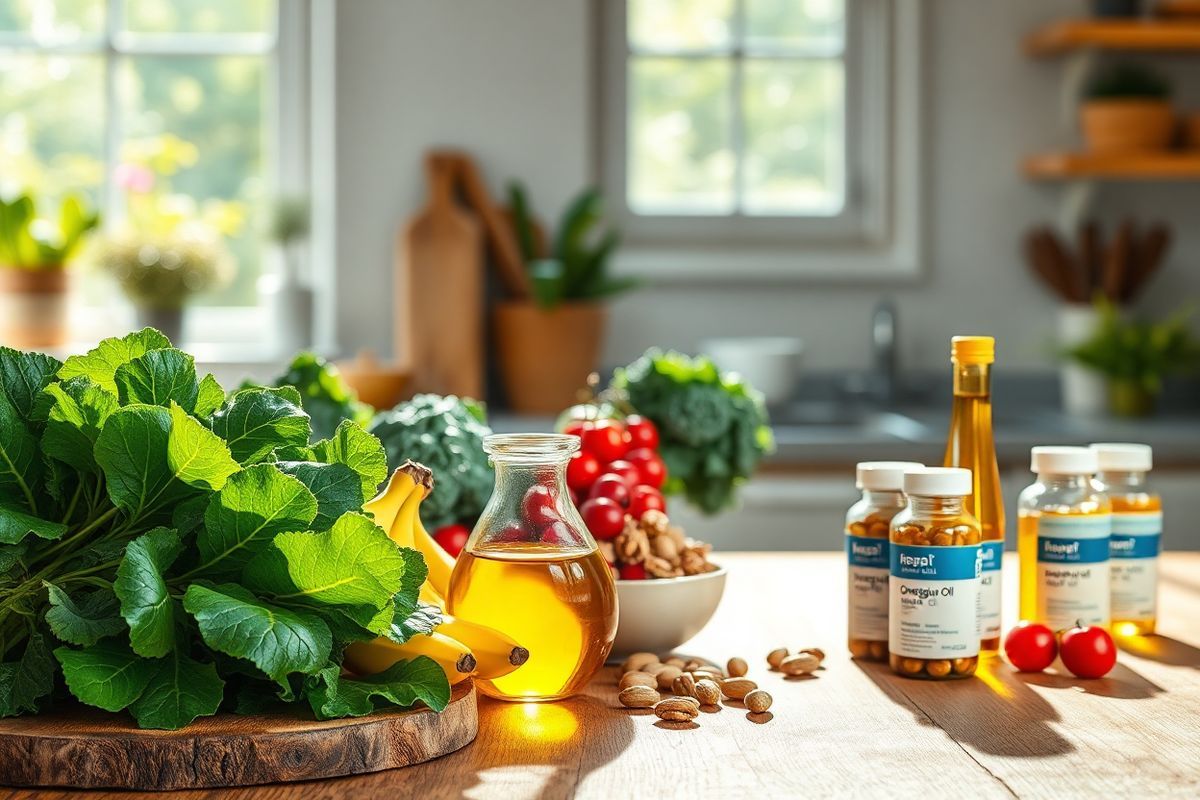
(1127, 126)
(545, 356)
(33, 307)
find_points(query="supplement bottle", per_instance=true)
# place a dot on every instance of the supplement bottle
(1063, 529)
(1136, 535)
(867, 528)
(936, 561)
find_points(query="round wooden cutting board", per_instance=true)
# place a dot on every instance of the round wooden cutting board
(87, 748)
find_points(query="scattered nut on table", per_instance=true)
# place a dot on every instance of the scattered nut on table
(637, 679)
(638, 697)
(708, 693)
(737, 667)
(776, 657)
(737, 688)
(677, 709)
(758, 701)
(799, 664)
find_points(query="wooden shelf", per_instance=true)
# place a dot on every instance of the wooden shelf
(1143, 166)
(1069, 35)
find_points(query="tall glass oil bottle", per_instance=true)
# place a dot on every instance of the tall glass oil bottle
(970, 445)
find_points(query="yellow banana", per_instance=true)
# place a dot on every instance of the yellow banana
(440, 563)
(429, 595)
(385, 505)
(454, 657)
(496, 654)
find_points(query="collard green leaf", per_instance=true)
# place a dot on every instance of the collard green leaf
(11, 556)
(100, 364)
(403, 684)
(180, 690)
(338, 488)
(243, 518)
(20, 466)
(23, 376)
(77, 411)
(405, 625)
(410, 616)
(196, 455)
(358, 450)
(354, 563)
(188, 515)
(15, 525)
(209, 397)
(24, 682)
(107, 675)
(146, 602)
(279, 641)
(256, 421)
(132, 453)
(83, 620)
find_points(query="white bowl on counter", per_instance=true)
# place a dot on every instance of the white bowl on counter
(770, 364)
(659, 614)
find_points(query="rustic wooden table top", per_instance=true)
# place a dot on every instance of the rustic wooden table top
(855, 730)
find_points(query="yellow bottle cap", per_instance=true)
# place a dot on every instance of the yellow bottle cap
(973, 349)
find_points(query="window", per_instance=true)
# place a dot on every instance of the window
(159, 110)
(777, 137)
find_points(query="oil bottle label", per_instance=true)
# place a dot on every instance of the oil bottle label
(1072, 569)
(934, 601)
(989, 590)
(1134, 547)
(868, 587)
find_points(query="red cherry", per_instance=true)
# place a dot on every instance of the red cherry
(606, 440)
(558, 532)
(510, 533)
(539, 506)
(611, 487)
(452, 538)
(642, 432)
(576, 428)
(628, 472)
(603, 517)
(632, 572)
(649, 465)
(645, 498)
(582, 470)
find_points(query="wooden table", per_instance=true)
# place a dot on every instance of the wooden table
(856, 730)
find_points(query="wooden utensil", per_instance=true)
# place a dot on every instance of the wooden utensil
(506, 253)
(1148, 255)
(1091, 255)
(439, 320)
(1116, 261)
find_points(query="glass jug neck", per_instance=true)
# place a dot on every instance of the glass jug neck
(972, 380)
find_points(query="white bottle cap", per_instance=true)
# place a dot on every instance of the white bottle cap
(938, 481)
(882, 476)
(1121, 457)
(1055, 460)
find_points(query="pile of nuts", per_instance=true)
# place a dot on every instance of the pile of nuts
(659, 547)
(694, 683)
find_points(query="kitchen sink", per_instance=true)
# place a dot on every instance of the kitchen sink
(842, 420)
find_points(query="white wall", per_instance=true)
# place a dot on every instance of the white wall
(511, 80)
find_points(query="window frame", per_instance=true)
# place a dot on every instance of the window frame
(303, 36)
(877, 234)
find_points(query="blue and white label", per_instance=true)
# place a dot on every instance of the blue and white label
(868, 587)
(1072, 569)
(990, 583)
(934, 601)
(1136, 540)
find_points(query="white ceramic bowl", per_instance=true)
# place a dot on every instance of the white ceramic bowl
(659, 614)
(770, 364)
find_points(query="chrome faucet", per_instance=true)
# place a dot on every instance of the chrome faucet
(884, 351)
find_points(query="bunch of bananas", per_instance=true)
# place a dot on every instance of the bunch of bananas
(460, 647)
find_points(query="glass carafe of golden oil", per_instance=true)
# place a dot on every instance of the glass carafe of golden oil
(1136, 535)
(532, 570)
(970, 445)
(1063, 532)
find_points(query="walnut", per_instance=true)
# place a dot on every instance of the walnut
(694, 561)
(677, 535)
(607, 550)
(665, 548)
(654, 522)
(661, 568)
(632, 545)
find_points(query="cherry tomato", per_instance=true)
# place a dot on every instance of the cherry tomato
(452, 538)
(645, 498)
(558, 533)
(510, 533)
(603, 517)
(632, 572)
(611, 487)
(582, 470)
(576, 428)
(607, 440)
(628, 472)
(1030, 647)
(1088, 651)
(538, 506)
(649, 465)
(642, 432)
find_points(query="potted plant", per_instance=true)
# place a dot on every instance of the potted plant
(33, 278)
(1134, 357)
(1127, 110)
(547, 346)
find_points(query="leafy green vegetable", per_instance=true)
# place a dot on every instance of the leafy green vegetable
(174, 541)
(1139, 353)
(713, 427)
(446, 435)
(325, 396)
